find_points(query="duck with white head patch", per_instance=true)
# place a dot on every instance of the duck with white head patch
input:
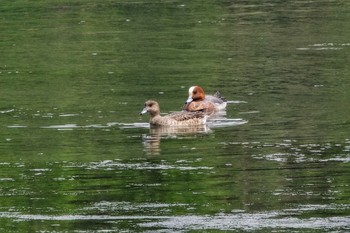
(198, 101)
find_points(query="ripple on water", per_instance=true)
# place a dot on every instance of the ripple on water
(17, 126)
(119, 165)
(221, 122)
(237, 220)
(123, 207)
(290, 150)
(325, 46)
(75, 126)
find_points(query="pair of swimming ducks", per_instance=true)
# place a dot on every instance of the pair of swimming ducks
(196, 110)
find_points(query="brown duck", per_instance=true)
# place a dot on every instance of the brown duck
(183, 118)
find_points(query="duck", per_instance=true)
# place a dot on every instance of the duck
(198, 101)
(181, 118)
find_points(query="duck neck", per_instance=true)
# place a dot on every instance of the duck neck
(154, 113)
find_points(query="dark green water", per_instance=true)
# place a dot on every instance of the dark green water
(75, 156)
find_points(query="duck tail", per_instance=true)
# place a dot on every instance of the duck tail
(218, 95)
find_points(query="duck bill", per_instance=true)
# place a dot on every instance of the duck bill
(189, 100)
(143, 111)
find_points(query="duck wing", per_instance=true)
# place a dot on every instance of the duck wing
(185, 115)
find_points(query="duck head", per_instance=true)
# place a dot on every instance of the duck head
(195, 93)
(151, 107)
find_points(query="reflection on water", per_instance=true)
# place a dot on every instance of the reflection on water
(152, 140)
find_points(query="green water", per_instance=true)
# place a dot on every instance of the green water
(75, 156)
